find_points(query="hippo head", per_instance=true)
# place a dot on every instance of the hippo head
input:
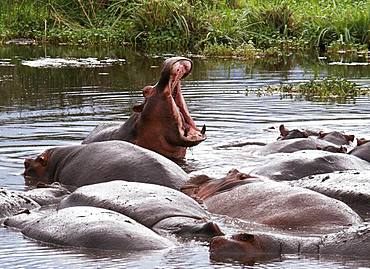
(36, 170)
(285, 133)
(242, 247)
(165, 125)
(201, 187)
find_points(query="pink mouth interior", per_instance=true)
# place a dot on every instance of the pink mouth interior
(179, 70)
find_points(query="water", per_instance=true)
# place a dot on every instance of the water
(42, 107)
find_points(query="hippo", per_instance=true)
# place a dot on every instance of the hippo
(362, 150)
(45, 194)
(274, 204)
(336, 138)
(162, 123)
(80, 165)
(351, 187)
(285, 133)
(157, 207)
(92, 227)
(297, 144)
(296, 165)
(12, 202)
(249, 247)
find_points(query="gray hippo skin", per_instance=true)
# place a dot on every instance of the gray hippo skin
(336, 138)
(300, 164)
(162, 123)
(92, 227)
(12, 202)
(351, 187)
(156, 207)
(295, 144)
(256, 246)
(47, 194)
(271, 203)
(362, 151)
(101, 162)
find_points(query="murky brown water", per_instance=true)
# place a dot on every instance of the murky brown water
(41, 107)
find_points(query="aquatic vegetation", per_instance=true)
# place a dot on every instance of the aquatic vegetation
(329, 89)
(240, 28)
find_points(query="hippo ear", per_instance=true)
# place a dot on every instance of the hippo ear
(283, 131)
(148, 91)
(233, 172)
(350, 137)
(322, 134)
(361, 141)
(343, 149)
(42, 160)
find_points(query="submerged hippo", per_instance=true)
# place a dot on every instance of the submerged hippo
(162, 123)
(297, 144)
(156, 207)
(12, 202)
(351, 187)
(336, 138)
(256, 246)
(45, 194)
(285, 133)
(101, 162)
(300, 164)
(362, 150)
(275, 204)
(93, 227)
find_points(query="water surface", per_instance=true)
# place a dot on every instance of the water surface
(42, 106)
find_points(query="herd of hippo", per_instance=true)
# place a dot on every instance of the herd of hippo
(121, 189)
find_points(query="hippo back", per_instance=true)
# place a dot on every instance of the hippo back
(296, 165)
(145, 203)
(113, 160)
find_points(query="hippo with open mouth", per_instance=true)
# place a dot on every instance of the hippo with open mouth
(162, 123)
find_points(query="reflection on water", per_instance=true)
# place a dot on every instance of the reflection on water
(45, 107)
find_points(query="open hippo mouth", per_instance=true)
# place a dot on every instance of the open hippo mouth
(174, 70)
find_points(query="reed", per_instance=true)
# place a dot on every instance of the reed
(225, 27)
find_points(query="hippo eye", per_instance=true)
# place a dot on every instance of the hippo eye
(245, 237)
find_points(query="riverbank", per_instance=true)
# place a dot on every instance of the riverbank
(244, 28)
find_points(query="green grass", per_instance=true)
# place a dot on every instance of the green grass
(329, 89)
(238, 28)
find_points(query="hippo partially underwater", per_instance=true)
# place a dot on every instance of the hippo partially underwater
(157, 207)
(260, 200)
(91, 227)
(117, 215)
(296, 165)
(255, 246)
(101, 162)
(162, 123)
(295, 140)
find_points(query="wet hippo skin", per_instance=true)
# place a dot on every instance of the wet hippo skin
(275, 204)
(101, 162)
(156, 207)
(351, 187)
(93, 227)
(162, 123)
(362, 151)
(296, 165)
(256, 246)
(12, 202)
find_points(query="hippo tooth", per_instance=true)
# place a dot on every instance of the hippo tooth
(203, 131)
